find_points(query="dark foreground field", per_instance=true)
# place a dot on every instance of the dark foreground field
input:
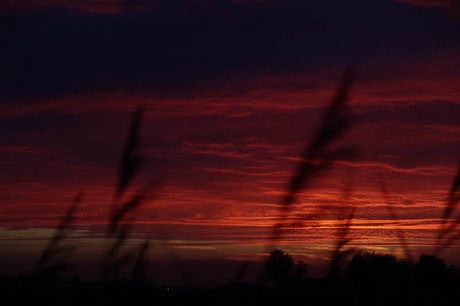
(315, 291)
(366, 279)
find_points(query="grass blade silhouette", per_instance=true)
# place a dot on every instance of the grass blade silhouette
(138, 274)
(120, 213)
(401, 236)
(339, 255)
(118, 225)
(130, 160)
(47, 265)
(449, 229)
(334, 124)
(452, 200)
(317, 155)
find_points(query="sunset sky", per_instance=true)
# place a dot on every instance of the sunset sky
(232, 92)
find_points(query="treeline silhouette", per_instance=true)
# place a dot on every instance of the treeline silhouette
(366, 278)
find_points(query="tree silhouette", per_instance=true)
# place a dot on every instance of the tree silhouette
(282, 270)
(378, 275)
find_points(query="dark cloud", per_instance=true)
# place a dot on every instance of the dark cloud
(441, 113)
(178, 46)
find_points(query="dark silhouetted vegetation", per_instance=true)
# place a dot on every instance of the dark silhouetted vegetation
(52, 261)
(368, 278)
(117, 256)
(449, 229)
(281, 270)
(320, 152)
(354, 277)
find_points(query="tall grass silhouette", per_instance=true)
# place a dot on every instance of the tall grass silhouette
(138, 275)
(449, 229)
(319, 153)
(131, 159)
(392, 212)
(119, 225)
(340, 254)
(51, 262)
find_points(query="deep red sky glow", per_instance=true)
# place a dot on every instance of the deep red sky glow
(229, 106)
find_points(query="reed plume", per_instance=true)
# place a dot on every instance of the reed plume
(318, 154)
(49, 265)
(449, 230)
(119, 224)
